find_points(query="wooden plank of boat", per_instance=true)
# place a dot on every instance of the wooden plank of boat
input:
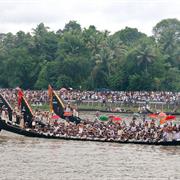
(29, 133)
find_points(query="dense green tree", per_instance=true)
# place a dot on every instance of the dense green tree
(64, 81)
(93, 39)
(170, 26)
(170, 81)
(145, 56)
(89, 59)
(45, 43)
(129, 36)
(167, 35)
(72, 26)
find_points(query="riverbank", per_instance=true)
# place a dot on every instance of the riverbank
(115, 108)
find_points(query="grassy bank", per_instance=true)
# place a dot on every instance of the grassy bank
(112, 107)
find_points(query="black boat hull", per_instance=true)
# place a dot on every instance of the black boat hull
(17, 130)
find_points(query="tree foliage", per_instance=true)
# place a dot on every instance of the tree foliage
(89, 59)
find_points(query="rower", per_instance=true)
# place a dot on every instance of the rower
(21, 123)
(4, 113)
(33, 123)
(75, 112)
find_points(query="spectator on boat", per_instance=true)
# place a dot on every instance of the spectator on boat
(21, 122)
(169, 132)
(33, 124)
(4, 113)
(75, 112)
(177, 133)
(152, 123)
(68, 111)
(97, 115)
(14, 117)
(81, 127)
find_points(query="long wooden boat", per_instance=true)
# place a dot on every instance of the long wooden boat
(30, 133)
(10, 127)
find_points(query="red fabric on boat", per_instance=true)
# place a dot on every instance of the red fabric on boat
(153, 115)
(170, 117)
(20, 95)
(55, 117)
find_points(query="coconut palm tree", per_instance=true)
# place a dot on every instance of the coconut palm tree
(145, 56)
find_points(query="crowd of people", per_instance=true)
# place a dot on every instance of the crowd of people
(41, 97)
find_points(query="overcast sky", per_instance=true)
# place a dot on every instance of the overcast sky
(111, 15)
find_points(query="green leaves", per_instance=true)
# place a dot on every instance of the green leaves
(89, 58)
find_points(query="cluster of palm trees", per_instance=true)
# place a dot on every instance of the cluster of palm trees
(89, 59)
